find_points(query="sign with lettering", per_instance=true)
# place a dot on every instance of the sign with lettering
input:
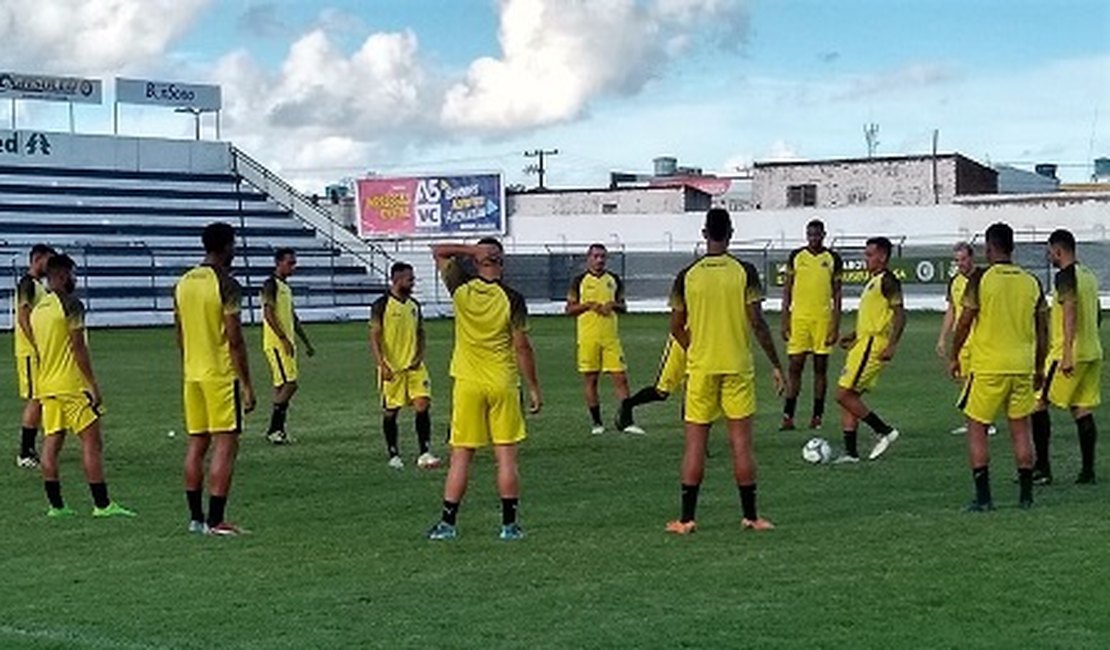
(432, 206)
(78, 90)
(172, 94)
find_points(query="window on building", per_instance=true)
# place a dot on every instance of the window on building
(801, 195)
(608, 208)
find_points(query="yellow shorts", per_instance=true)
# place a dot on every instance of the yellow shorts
(672, 368)
(862, 366)
(601, 356)
(482, 414)
(27, 369)
(68, 413)
(1083, 389)
(213, 407)
(808, 335)
(965, 361)
(283, 368)
(710, 396)
(406, 386)
(984, 395)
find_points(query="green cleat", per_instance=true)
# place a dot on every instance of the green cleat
(60, 513)
(511, 533)
(441, 532)
(113, 509)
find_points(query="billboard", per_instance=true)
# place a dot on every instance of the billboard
(172, 94)
(78, 90)
(431, 206)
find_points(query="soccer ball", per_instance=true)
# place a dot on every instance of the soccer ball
(816, 451)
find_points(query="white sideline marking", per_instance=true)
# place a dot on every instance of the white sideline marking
(83, 639)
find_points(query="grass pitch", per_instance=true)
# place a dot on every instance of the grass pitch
(875, 555)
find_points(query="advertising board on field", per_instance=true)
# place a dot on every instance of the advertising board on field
(171, 94)
(76, 90)
(431, 206)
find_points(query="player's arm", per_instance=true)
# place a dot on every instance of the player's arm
(946, 326)
(522, 347)
(678, 311)
(26, 291)
(838, 299)
(788, 296)
(377, 325)
(1067, 298)
(619, 305)
(421, 341)
(892, 291)
(303, 335)
(179, 336)
(1040, 326)
(963, 326)
(231, 296)
(753, 300)
(75, 315)
(574, 305)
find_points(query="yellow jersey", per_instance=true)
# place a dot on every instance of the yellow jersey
(715, 292)
(603, 288)
(52, 321)
(1077, 284)
(202, 298)
(487, 313)
(881, 295)
(1007, 299)
(277, 294)
(401, 323)
(814, 276)
(28, 292)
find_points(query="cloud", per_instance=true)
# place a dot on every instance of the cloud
(912, 76)
(262, 19)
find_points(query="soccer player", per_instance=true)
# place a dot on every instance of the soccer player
(879, 324)
(1073, 377)
(811, 299)
(491, 351)
(68, 390)
(279, 322)
(672, 372)
(398, 343)
(217, 381)
(716, 307)
(1005, 305)
(595, 298)
(29, 291)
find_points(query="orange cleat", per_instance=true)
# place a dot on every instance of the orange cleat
(757, 524)
(681, 527)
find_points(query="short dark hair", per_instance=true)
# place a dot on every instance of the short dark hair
(217, 236)
(60, 263)
(1001, 236)
(883, 244)
(41, 249)
(491, 241)
(965, 247)
(596, 246)
(816, 223)
(1062, 238)
(399, 267)
(718, 225)
(282, 253)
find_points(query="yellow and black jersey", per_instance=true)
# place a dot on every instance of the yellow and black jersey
(602, 288)
(52, 321)
(203, 297)
(487, 313)
(1076, 284)
(881, 296)
(957, 285)
(401, 322)
(1006, 299)
(715, 292)
(813, 277)
(29, 291)
(277, 294)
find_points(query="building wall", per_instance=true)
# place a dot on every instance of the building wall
(839, 184)
(1012, 180)
(973, 178)
(595, 202)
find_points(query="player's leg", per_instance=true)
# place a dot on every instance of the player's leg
(589, 383)
(852, 401)
(820, 388)
(195, 451)
(391, 435)
(794, 368)
(744, 471)
(92, 458)
(1088, 436)
(849, 425)
(703, 398)
(454, 489)
(1023, 458)
(422, 414)
(469, 432)
(978, 455)
(508, 488)
(225, 449)
(51, 449)
(283, 395)
(1042, 425)
(29, 430)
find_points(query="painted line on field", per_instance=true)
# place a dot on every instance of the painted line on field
(72, 636)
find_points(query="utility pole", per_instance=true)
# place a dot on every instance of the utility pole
(539, 169)
(871, 136)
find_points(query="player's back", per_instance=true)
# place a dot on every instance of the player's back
(203, 296)
(29, 291)
(715, 292)
(52, 320)
(1007, 298)
(486, 314)
(812, 285)
(1079, 284)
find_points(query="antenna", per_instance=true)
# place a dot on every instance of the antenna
(540, 169)
(871, 136)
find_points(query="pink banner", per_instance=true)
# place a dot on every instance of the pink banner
(386, 206)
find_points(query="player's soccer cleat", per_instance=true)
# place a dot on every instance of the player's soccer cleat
(60, 513)
(756, 524)
(226, 529)
(681, 527)
(634, 430)
(787, 424)
(113, 509)
(1086, 478)
(442, 532)
(976, 506)
(597, 430)
(623, 419)
(992, 430)
(846, 459)
(198, 528)
(27, 460)
(427, 461)
(959, 431)
(1025, 504)
(511, 532)
(815, 422)
(883, 444)
(279, 438)
(396, 463)
(1041, 477)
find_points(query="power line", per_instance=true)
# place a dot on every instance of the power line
(541, 168)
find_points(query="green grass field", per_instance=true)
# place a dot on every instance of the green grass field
(875, 555)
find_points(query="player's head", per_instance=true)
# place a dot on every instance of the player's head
(596, 256)
(40, 253)
(490, 259)
(1000, 242)
(285, 262)
(964, 256)
(219, 242)
(815, 234)
(59, 274)
(877, 253)
(718, 226)
(1061, 248)
(401, 279)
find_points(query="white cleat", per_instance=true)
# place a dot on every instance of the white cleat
(992, 430)
(845, 459)
(597, 430)
(27, 462)
(427, 461)
(198, 528)
(883, 444)
(396, 463)
(959, 431)
(634, 430)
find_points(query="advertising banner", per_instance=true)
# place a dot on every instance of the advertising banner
(78, 90)
(910, 270)
(171, 94)
(431, 206)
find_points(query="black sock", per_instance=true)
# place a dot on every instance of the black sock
(789, 407)
(423, 430)
(818, 407)
(595, 414)
(196, 505)
(216, 507)
(1088, 435)
(277, 417)
(389, 428)
(876, 423)
(450, 512)
(1042, 432)
(1025, 484)
(99, 494)
(54, 494)
(982, 477)
(508, 510)
(747, 501)
(689, 502)
(27, 441)
(645, 395)
(850, 444)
